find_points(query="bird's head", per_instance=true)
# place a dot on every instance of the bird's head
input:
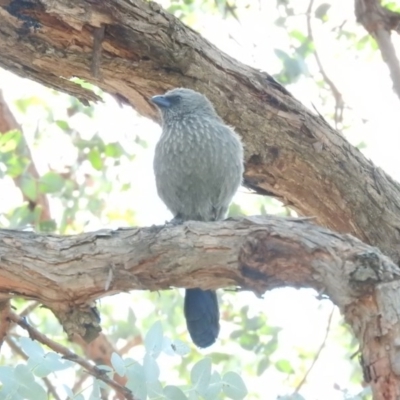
(181, 102)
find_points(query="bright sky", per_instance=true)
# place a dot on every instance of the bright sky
(372, 117)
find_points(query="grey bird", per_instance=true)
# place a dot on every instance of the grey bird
(198, 166)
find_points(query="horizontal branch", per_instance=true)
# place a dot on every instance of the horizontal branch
(66, 273)
(255, 253)
(291, 153)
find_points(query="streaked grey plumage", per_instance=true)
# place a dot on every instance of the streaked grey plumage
(198, 166)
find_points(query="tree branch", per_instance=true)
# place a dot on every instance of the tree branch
(379, 21)
(317, 354)
(8, 123)
(290, 152)
(69, 355)
(256, 253)
(339, 102)
(17, 350)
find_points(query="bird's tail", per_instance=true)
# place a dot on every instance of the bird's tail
(202, 316)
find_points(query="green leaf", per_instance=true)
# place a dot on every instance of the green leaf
(94, 157)
(16, 165)
(155, 390)
(21, 216)
(321, 11)
(7, 376)
(24, 103)
(282, 55)
(233, 386)
(118, 364)
(214, 388)
(298, 35)
(39, 367)
(28, 388)
(254, 324)
(249, 340)
(136, 380)
(271, 346)
(56, 363)
(47, 226)
(262, 366)
(200, 375)
(237, 334)
(31, 348)
(63, 125)
(174, 393)
(51, 183)
(154, 340)
(284, 366)
(140, 142)
(151, 369)
(96, 394)
(29, 187)
(69, 392)
(9, 141)
(179, 347)
(114, 150)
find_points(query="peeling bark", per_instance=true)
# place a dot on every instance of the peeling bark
(255, 253)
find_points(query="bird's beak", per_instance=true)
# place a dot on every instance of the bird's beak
(161, 101)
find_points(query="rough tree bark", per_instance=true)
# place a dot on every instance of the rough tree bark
(379, 22)
(134, 49)
(290, 152)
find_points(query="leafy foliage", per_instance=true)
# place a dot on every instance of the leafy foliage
(143, 378)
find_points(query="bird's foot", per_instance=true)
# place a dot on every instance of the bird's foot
(175, 221)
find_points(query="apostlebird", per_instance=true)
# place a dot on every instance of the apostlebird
(198, 166)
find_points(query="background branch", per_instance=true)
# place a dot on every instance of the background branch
(379, 22)
(317, 354)
(339, 103)
(9, 123)
(69, 355)
(16, 349)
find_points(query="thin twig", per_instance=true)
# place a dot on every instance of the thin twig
(69, 355)
(318, 353)
(100, 351)
(29, 308)
(339, 103)
(78, 384)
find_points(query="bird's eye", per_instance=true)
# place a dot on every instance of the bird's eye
(175, 99)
